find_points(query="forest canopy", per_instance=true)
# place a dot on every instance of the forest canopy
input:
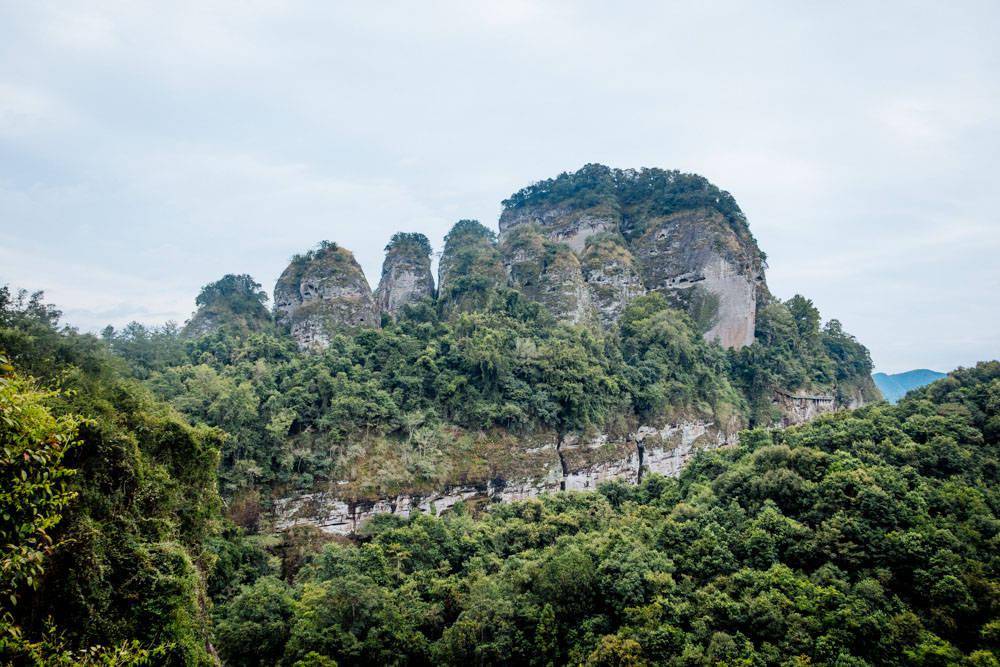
(865, 537)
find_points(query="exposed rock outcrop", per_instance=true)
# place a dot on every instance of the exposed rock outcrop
(321, 293)
(696, 259)
(470, 269)
(406, 273)
(611, 276)
(801, 406)
(565, 223)
(678, 233)
(585, 464)
(547, 272)
(235, 302)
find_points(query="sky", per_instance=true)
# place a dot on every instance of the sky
(149, 148)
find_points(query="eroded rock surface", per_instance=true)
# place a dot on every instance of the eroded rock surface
(564, 224)
(322, 292)
(696, 259)
(406, 273)
(548, 272)
(651, 230)
(801, 406)
(611, 276)
(666, 450)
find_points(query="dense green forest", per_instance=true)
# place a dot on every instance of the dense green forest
(860, 538)
(403, 389)
(137, 464)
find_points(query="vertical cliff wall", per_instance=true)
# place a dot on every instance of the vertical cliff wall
(655, 230)
(548, 272)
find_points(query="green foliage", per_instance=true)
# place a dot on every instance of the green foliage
(635, 195)
(147, 349)
(860, 538)
(629, 575)
(392, 394)
(33, 490)
(128, 554)
(409, 242)
(241, 294)
(671, 368)
(471, 271)
(253, 627)
(792, 352)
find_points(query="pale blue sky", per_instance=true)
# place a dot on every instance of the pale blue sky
(146, 149)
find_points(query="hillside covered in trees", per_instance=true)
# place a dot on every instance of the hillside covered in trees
(864, 537)
(578, 321)
(143, 469)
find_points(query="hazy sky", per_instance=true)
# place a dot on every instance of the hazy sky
(148, 149)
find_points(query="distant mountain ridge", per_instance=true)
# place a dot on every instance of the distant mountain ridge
(895, 386)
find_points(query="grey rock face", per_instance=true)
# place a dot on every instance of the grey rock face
(322, 292)
(696, 259)
(611, 277)
(799, 407)
(675, 234)
(563, 224)
(406, 273)
(664, 449)
(547, 272)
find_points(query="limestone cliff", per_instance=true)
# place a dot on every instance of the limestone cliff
(585, 463)
(611, 276)
(798, 407)
(235, 303)
(470, 269)
(547, 272)
(406, 273)
(697, 259)
(679, 234)
(322, 292)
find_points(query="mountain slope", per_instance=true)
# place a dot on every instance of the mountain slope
(895, 386)
(861, 538)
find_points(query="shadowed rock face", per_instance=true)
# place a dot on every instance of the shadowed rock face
(547, 272)
(656, 231)
(406, 273)
(471, 268)
(322, 292)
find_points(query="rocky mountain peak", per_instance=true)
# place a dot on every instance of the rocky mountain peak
(406, 273)
(470, 268)
(322, 292)
(233, 301)
(674, 233)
